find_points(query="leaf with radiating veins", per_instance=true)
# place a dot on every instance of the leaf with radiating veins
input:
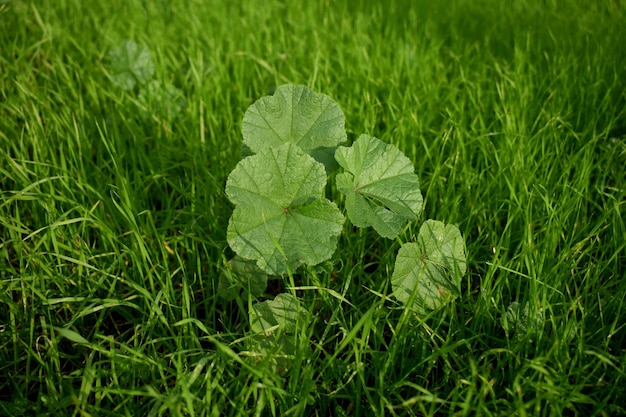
(296, 114)
(428, 272)
(380, 185)
(281, 218)
(129, 64)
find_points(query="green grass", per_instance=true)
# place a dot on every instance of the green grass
(112, 225)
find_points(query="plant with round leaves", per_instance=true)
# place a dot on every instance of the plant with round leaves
(282, 220)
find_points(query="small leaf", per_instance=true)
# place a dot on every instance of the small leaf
(430, 269)
(280, 315)
(281, 219)
(241, 277)
(519, 320)
(163, 101)
(380, 185)
(130, 64)
(296, 114)
(274, 324)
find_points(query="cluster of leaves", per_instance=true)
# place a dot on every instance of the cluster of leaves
(131, 66)
(283, 220)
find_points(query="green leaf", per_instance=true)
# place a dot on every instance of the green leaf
(380, 185)
(240, 278)
(162, 101)
(130, 64)
(520, 321)
(428, 272)
(296, 114)
(274, 324)
(281, 219)
(280, 315)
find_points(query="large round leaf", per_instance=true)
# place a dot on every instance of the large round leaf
(381, 187)
(296, 114)
(281, 219)
(429, 271)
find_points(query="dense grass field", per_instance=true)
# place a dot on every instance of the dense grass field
(113, 213)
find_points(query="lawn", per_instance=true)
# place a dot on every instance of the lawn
(113, 211)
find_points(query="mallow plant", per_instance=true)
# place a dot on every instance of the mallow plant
(296, 140)
(130, 67)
